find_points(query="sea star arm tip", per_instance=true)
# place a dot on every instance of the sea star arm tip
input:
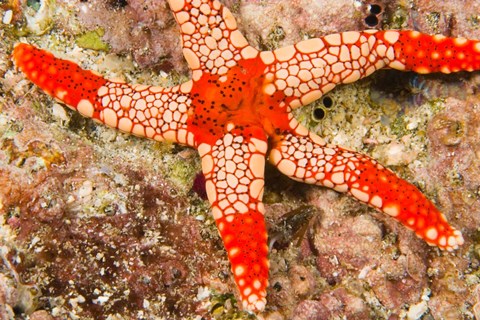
(424, 53)
(307, 159)
(153, 112)
(62, 79)
(221, 46)
(234, 170)
(309, 69)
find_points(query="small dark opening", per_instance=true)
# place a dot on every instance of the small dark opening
(318, 114)
(118, 4)
(277, 286)
(371, 20)
(327, 102)
(375, 9)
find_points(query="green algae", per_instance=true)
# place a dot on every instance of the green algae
(224, 308)
(93, 40)
(398, 19)
(182, 172)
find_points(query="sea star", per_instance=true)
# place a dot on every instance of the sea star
(237, 111)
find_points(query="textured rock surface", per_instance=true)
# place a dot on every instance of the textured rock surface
(97, 224)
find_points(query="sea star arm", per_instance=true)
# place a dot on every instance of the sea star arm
(305, 157)
(210, 38)
(234, 173)
(311, 68)
(153, 112)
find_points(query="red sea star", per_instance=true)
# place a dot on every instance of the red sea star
(236, 111)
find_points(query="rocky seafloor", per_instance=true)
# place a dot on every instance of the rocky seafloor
(96, 224)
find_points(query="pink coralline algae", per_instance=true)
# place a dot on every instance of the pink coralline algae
(144, 29)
